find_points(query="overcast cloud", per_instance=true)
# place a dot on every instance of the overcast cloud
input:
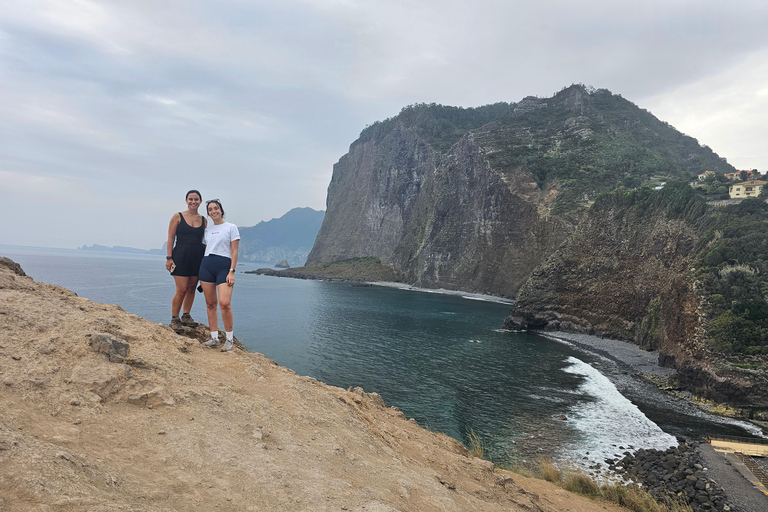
(111, 110)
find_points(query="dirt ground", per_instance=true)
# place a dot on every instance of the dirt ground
(101, 410)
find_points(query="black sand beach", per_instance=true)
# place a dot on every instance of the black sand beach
(740, 485)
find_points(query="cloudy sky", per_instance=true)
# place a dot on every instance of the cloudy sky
(110, 110)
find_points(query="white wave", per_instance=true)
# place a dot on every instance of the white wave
(609, 424)
(488, 298)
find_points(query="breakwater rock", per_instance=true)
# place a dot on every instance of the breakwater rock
(675, 474)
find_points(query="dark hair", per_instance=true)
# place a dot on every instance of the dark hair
(207, 203)
(193, 191)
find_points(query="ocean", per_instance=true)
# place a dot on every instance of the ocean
(441, 359)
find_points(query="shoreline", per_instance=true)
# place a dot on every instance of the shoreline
(726, 471)
(641, 365)
(385, 284)
(443, 291)
(623, 353)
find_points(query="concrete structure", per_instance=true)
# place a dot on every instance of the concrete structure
(752, 447)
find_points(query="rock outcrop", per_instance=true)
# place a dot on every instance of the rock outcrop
(476, 199)
(103, 410)
(452, 222)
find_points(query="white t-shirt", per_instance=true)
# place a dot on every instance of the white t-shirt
(217, 239)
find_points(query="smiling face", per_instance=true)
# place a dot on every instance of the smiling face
(214, 211)
(193, 201)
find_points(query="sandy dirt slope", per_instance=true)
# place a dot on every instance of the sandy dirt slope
(101, 410)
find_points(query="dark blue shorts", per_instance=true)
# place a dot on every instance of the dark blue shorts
(214, 269)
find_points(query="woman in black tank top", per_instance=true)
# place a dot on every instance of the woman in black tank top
(183, 260)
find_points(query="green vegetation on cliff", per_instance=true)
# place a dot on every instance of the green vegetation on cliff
(353, 269)
(584, 141)
(439, 125)
(732, 270)
(730, 266)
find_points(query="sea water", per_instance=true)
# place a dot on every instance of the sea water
(441, 359)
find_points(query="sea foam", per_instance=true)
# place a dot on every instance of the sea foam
(608, 423)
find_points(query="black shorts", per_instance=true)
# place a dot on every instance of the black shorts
(215, 268)
(187, 258)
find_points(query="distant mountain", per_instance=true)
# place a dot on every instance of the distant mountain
(288, 238)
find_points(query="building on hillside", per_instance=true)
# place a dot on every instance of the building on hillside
(738, 175)
(704, 175)
(746, 189)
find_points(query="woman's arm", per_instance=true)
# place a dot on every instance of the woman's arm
(171, 239)
(234, 244)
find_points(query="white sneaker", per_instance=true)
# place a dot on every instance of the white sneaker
(229, 345)
(211, 343)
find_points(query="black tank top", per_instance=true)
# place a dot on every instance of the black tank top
(186, 234)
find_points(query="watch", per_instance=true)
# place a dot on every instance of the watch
(231, 270)
(169, 257)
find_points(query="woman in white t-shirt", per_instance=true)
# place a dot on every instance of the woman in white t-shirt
(217, 272)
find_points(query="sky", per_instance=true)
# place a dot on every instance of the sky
(111, 110)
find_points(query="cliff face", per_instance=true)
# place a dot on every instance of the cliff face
(455, 224)
(103, 410)
(475, 199)
(371, 196)
(474, 228)
(622, 275)
(628, 273)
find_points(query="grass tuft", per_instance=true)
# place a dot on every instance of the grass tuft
(476, 446)
(547, 470)
(630, 496)
(581, 483)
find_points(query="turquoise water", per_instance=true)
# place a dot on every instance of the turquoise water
(441, 359)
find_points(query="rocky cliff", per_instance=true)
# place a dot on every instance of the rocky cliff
(632, 270)
(476, 199)
(103, 410)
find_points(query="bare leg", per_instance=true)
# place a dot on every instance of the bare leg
(189, 297)
(225, 302)
(209, 290)
(182, 287)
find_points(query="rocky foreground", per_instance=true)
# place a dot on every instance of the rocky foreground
(103, 410)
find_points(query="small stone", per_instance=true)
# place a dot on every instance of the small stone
(161, 433)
